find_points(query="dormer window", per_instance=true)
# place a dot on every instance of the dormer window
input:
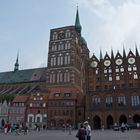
(67, 94)
(56, 94)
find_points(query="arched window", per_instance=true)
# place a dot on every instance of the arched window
(68, 34)
(54, 36)
(135, 76)
(67, 76)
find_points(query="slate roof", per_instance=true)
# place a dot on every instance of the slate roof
(21, 76)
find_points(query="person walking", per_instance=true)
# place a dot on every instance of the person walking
(81, 133)
(88, 130)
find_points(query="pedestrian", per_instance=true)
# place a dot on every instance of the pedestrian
(88, 130)
(70, 129)
(123, 127)
(81, 133)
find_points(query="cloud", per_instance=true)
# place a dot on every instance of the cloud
(119, 23)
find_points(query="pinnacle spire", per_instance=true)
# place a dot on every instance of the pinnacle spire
(16, 64)
(124, 54)
(78, 26)
(101, 56)
(112, 54)
(137, 53)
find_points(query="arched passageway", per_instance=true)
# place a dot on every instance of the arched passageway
(96, 122)
(122, 119)
(109, 121)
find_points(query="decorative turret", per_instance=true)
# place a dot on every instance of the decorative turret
(112, 54)
(124, 54)
(16, 64)
(101, 56)
(137, 53)
(78, 26)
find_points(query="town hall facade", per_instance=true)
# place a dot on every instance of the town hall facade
(75, 87)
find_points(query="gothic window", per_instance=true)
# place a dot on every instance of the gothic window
(61, 77)
(117, 69)
(134, 68)
(109, 101)
(67, 59)
(122, 69)
(121, 100)
(110, 78)
(117, 77)
(53, 60)
(68, 34)
(54, 36)
(55, 47)
(96, 100)
(62, 46)
(66, 76)
(59, 46)
(105, 71)
(97, 71)
(135, 76)
(59, 60)
(58, 77)
(129, 68)
(53, 78)
(110, 70)
(68, 45)
(135, 100)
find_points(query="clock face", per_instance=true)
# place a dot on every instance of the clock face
(93, 64)
(107, 63)
(61, 35)
(119, 61)
(131, 60)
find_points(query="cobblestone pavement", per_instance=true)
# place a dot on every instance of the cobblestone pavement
(60, 135)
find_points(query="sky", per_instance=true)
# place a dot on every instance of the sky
(25, 27)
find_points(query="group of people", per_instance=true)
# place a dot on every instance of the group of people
(84, 132)
(18, 128)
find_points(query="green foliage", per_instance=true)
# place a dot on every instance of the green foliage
(8, 98)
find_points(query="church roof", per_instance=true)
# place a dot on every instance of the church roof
(20, 76)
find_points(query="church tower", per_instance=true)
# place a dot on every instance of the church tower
(66, 80)
(67, 56)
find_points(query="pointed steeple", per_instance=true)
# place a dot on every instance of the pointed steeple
(124, 54)
(137, 53)
(78, 26)
(101, 56)
(112, 54)
(16, 64)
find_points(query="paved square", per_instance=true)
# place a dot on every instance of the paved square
(60, 135)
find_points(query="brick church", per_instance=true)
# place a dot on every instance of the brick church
(75, 87)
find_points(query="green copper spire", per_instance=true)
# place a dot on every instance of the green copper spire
(101, 56)
(16, 64)
(78, 26)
